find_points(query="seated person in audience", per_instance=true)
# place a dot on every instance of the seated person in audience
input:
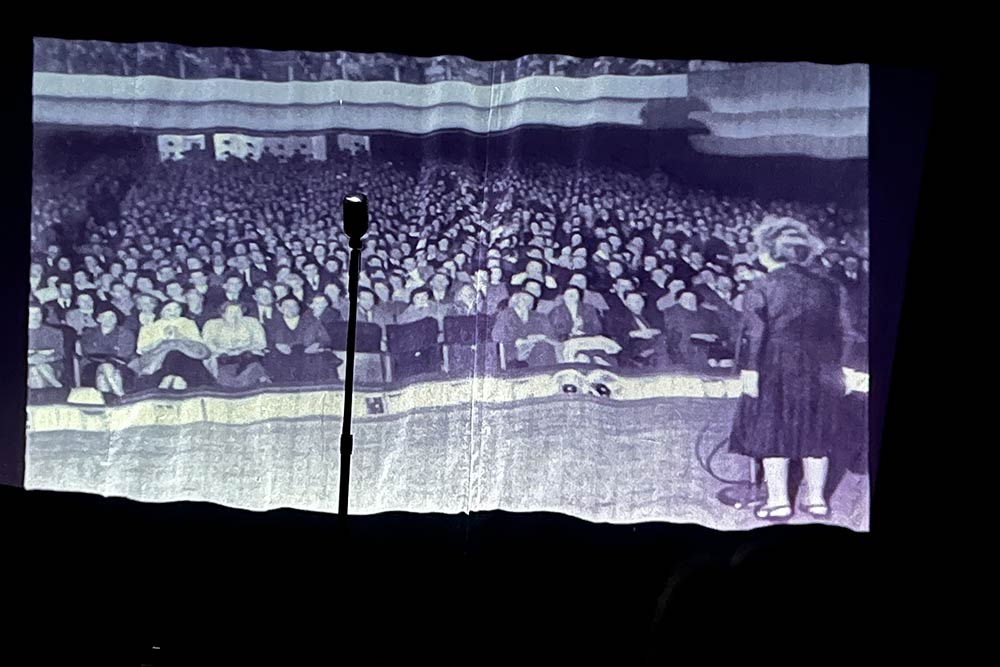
(420, 307)
(384, 301)
(440, 295)
(231, 290)
(81, 317)
(690, 331)
(572, 317)
(237, 344)
(642, 343)
(121, 299)
(175, 292)
(144, 285)
(320, 308)
(144, 312)
(171, 352)
(372, 312)
(298, 346)
(107, 350)
(526, 337)
(468, 302)
(669, 300)
(195, 303)
(340, 304)
(46, 351)
(535, 289)
(497, 292)
(263, 309)
(61, 305)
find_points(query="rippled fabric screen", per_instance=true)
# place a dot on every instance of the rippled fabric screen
(575, 290)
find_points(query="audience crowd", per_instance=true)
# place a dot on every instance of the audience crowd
(233, 274)
(190, 62)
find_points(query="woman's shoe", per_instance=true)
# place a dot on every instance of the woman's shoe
(821, 510)
(774, 512)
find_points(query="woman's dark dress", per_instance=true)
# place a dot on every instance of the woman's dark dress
(792, 335)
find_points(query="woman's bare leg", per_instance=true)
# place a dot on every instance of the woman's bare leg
(815, 471)
(48, 375)
(776, 477)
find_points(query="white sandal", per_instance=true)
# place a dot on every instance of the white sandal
(774, 512)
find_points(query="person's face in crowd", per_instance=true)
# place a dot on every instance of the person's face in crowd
(119, 291)
(659, 276)
(108, 320)
(233, 285)
(105, 281)
(366, 300)
(216, 247)
(157, 254)
(332, 267)
(649, 263)
(439, 282)
(421, 299)
(318, 304)
(145, 303)
(332, 292)
(522, 302)
(144, 284)
(409, 263)
(615, 241)
(53, 252)
(175, 291)
(319, 252)
(396, 282)
(165, 274)
(571, 297)
(604, 248)
(194, 300)
(724, 283)
(63, 264)
(635, 303)
(623, 285)
(696, 258)
(297, 247)
(116, 269)
(688, 301)
(383, 291)
(676, 286)
(171, 311)
(496, 275)
(311, 271)
(615, 269)
(534, 268)
(241, 263)
(534, 288)
(290, 308)
(263, 296)
(34, 317)
(294, 282)
(85, 303)
(705, 277)
(851, 265)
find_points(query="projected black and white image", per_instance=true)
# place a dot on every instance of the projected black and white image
(617, 289)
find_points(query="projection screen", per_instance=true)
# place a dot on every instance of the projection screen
(621, 290)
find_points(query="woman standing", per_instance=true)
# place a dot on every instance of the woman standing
(789, 353)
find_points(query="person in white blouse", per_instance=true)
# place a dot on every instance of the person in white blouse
(237, 344)
(171, 351)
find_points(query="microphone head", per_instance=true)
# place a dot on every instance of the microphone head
(355, 217)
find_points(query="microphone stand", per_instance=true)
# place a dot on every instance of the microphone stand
(355, 226)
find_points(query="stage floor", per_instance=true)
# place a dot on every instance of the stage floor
(595, 458)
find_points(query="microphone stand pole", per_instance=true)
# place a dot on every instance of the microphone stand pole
(355, 225)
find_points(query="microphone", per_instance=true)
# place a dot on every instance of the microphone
(355, 218)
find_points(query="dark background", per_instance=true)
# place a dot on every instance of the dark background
(85, 576)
